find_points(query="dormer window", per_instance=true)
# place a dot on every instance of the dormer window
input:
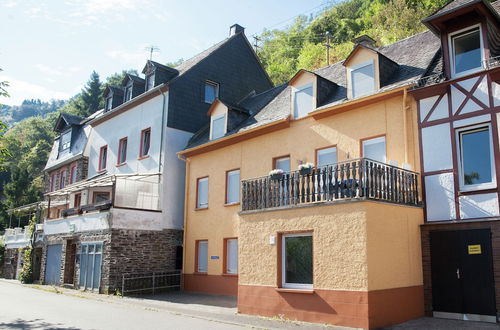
(363, 79)
(218, 126)
(466, 51)
(150, 81)
(109, 103)
(65, 140)
(211, 91)
(128, 93)
(303, 101)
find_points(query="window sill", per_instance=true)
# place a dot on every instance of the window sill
(229, 275)
(121, 164)
(201, 208)
(484, 190)
(231, 204)
(303, 291)
(143, 157)
(101, 170)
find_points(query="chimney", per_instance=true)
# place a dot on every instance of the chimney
(364, 40)
(236, 28)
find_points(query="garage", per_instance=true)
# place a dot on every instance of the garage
(53, 264)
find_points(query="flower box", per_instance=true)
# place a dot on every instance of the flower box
(306, 169)
(276, 174)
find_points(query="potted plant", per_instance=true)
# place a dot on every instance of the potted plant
(306, 168)
(276, 174)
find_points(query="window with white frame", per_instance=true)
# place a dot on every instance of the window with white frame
(475, 153)
(109, 103)
(150, 81)
(302, 101)
(233, 187)
(297, 261)
(145, 142)
(202, 196)
(326, 156)
(202, 262)
(128, 93)
(218, 126)
(103, 157)
(65, 140)
(363, 79)
(211, 91)
(466, 51)
(282, 163)
(375, 149)
(232, 256)
(122, 151)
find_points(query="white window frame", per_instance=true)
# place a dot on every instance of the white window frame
(357, 67)
(214, 84)
(297, 90)
(227, 271)
(198, 205)
(198, 254)
(228, 173)
(148, 87)
(109, 103)
(373, 141)
(214, 118)
(318, 151)
(67, 143)
(128, 88)
(284, 284)
(451, 48)
(276, 160)
(480, 186)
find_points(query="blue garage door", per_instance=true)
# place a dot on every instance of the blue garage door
(53, 264)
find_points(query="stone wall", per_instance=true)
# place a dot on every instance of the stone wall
(10, 260)
(81, 173)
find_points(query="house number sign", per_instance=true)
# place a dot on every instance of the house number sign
(214, 257)
(474, 249)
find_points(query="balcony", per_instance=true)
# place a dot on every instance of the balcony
(359, 179)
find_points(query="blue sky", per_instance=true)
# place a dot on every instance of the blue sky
(49, 48)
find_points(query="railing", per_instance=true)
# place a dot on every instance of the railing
(150, 282)
(491, 62)
(357, 179)
(429, 80)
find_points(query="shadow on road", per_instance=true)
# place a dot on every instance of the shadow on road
(33, 324)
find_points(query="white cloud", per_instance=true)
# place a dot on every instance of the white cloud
(45, 69)
(10, 4)
(135, 58)
(20, 90)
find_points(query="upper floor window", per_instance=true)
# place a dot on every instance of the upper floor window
(145, 142)
(66, 140)
(52, 182)
(128, 93)
(150, 81)
(302, 101)
(326, 156)
(211, 91)
(218, 126)
(122, 151)
(282, 163)
(62, 179)
(475, 155)
(109, 103)
(374, 149)
(72, 174)
(233, 187)
(202, 193)
(363, 79)
(103, 157)
(466, 51)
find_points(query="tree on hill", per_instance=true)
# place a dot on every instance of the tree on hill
(117, 78)
(91, 96)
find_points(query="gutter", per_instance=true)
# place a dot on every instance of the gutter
(162, 131)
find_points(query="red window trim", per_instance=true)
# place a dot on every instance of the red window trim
(120, 161)
(101, 168)
(78, 197)
(141, 155)
(72, 168)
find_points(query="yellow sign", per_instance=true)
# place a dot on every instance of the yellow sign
(474, 249)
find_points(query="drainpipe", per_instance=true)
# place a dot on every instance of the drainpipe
(405, 123)
(162, 131)
(186, 194)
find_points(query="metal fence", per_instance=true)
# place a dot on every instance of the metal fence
(150, 282)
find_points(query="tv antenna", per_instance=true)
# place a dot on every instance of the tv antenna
(152, 49)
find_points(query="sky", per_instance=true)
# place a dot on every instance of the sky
(49, 48)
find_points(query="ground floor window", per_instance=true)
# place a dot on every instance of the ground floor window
(202, 257)
(231, 266)
(297, 261)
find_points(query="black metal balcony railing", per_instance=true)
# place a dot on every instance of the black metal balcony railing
(356, 179)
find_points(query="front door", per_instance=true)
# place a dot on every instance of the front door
(462, 274)
(90, 265)
(53, 265)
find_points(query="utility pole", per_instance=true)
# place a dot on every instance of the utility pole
(328, 46)
(256, 43)
(152, 49)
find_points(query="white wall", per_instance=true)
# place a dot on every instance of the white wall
(135, 219)
(439, 197)
(436, 146)
(85, 222)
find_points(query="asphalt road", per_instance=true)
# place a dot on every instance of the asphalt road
(28, 308)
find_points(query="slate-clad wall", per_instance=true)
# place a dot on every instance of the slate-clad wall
(234, 66)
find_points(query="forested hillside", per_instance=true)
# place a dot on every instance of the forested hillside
(282, 51)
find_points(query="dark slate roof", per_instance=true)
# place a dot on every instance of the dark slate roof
(158, 65)
(413, 56)
(71, 119)
(457, 4)
(134, 78)
(114, 89)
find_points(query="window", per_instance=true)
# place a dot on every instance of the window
(62, 179)
(150, 81)
(145, 142)
(202, 257)
(363, 79)
(109, 103)
(466, 51)
(65, 140)
(103, 157)
(303, 101)
(100, 196)
(52, 182)
(202, 193)
(78, 200)
(231, 261)
(476, 158)
(128, 93)
(211, 91)
(218, 126)
(233, 187)
(72, 174)
(326, 156)
(122, 151)
(297, 261)
(282, 163)
(374, 149)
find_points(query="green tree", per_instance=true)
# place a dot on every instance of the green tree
(116, 79)
(91, 96)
